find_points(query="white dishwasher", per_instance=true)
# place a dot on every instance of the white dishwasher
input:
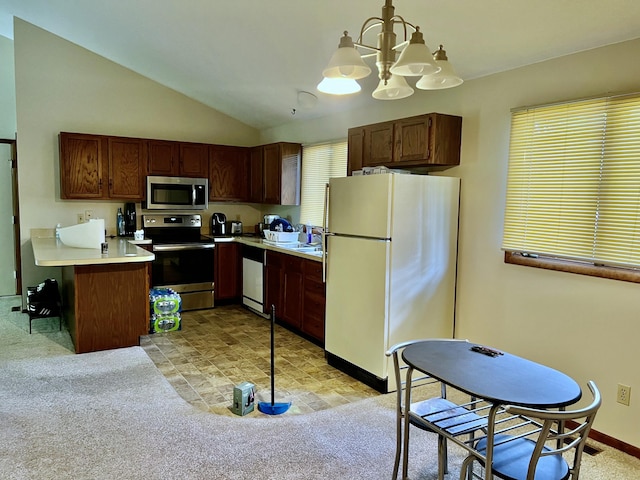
(253, 278)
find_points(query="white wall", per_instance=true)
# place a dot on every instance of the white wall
(62, 87)
(587, 327)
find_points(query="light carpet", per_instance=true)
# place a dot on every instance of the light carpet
(112, 415)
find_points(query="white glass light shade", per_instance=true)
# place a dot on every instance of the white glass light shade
(415, 60)
(339, 86)
(346, 62)
(445, 78)
(395, 89)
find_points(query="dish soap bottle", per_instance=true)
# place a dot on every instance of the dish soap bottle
(120, 222)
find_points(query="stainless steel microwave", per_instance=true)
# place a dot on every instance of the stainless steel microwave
(176, 193)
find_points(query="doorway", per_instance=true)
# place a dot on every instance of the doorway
(10, 278)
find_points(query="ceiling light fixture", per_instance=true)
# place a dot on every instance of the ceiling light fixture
(415, 60)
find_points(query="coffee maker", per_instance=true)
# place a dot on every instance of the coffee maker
(129, 219)
(218, 224)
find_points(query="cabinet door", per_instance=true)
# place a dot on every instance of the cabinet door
(228, 173)
(271, 174)
(378, 144)
(411, 138)
(163, 158)
(82, 165)
(355, 153)
(273, 279)
(126, 168)
(227, 271)
(292, 291)
(255, 177)
(445, 139)
(290, 163)
(194, 160)
(314, 300)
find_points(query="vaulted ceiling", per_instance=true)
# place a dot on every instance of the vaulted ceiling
(250, 58)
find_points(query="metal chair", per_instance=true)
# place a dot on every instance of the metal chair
(536, 451)
(435, 408)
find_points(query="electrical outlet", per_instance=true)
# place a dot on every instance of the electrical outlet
(88, 215)
(81, 218)
(624, 394)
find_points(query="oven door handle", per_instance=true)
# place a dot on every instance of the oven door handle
(178, 247)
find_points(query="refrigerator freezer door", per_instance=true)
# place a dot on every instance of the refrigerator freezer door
(361, 205)
(357, 302)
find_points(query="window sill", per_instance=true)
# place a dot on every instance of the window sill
(623, 274)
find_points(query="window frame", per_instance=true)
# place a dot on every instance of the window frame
(629, 273)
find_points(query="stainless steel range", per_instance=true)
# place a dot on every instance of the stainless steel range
(184, 258)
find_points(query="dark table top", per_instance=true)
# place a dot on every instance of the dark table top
(504, 378)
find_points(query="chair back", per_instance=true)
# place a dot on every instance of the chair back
(555, 438)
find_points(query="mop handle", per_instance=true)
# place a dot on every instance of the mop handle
(273, 324)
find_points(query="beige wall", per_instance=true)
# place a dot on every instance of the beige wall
(62, 87)
(7, 90)
(587, 327)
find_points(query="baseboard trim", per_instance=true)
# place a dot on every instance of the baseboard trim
(358, 373)
(610, 441)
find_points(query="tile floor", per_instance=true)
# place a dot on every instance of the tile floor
(220, 348)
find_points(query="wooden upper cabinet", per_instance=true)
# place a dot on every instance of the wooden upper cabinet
(411, 139)
(126, 168)
(271, 174)
(228, 173)
(355, 143)
(107, 167)
(81, 166)
(163, 157)
(255, 175)
(194, 160)
(378, 144)
(99, 167)
(275, 173)
(431, 140)
(178, 159)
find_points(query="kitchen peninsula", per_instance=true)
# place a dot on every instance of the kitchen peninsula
(105, 296)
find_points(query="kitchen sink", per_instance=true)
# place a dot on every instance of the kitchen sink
(304, 248)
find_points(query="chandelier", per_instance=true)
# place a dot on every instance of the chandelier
(415, 60)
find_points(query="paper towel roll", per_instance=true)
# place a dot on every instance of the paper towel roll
(84, 235)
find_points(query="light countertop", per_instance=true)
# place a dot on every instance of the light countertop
(261, 243)
(51, 252)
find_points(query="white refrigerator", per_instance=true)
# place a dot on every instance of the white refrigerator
(391, 250)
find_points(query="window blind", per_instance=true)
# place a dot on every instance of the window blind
(319, 163)
(573, 186)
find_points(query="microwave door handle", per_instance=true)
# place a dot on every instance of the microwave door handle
(194, 195)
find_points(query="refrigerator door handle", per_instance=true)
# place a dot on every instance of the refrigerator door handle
(325, 232)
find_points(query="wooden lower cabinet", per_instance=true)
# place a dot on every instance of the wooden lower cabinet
(106, 306)
(227, 271)
(294, 286)
(292, 290)
(314, 300)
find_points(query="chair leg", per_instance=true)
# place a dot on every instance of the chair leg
(405, 454)
(465, 469)
(396, 463)
(443, 458)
